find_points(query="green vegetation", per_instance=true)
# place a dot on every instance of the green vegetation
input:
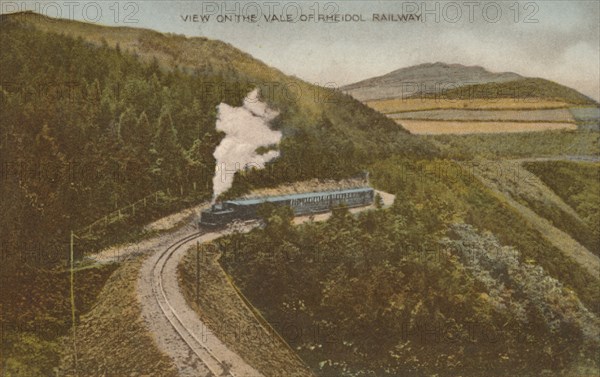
(528, 90)
(515, 182)
(442, 187)
(577, 184)
(519, 145)
(582, 232)
(90, 125)
(124, 131)
(87, 128)
(36, 312)
(222, 310)
(112, 338)
(421, 310)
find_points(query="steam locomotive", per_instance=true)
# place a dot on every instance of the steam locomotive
(302, 204)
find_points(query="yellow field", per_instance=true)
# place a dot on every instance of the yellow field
(428, 127)
(403, 105)
(536, 116)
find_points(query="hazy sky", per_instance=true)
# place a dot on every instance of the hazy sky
(557, 40)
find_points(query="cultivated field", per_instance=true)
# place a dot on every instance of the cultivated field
(429, 127)
(418, 104)
(546, 115)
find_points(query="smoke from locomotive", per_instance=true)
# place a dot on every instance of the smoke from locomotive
(246, 129)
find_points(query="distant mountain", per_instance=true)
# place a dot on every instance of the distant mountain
(523, 88)
(456, 81)
(424, 78)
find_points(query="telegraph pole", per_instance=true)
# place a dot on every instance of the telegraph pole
(197, 273)
(73, 300)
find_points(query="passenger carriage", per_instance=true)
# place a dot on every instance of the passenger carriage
(302, 204)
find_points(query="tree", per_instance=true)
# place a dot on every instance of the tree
(169, 159)
(127, 129)
(278, 221)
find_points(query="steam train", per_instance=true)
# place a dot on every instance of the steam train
(302, 204)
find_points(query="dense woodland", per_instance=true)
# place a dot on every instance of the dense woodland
(89, 127)
(409, 291)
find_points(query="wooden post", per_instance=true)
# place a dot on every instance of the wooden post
(72, 257)
(133, 208)
(194, 186)
(197, 273)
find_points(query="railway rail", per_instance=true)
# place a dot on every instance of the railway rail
(215, 364)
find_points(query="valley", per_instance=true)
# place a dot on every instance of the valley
(478, 252)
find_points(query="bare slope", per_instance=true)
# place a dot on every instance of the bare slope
(456, 82)
(423, 78)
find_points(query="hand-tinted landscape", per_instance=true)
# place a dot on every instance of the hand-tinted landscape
(479, 255)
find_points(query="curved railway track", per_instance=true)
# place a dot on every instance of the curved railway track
(201, 349)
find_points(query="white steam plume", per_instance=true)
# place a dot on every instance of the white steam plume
(246, 129)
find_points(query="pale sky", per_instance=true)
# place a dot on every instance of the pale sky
(556, 40)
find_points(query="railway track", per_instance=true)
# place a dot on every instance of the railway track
(200, 348)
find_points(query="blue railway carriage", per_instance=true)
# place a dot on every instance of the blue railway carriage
(302, 204)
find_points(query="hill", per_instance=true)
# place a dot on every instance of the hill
(460, 82)
(522, 88)
(454, 99)
(423, 78)
(142, 109)
(451, 254)
(96, 118)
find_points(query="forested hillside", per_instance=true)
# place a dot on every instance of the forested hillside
(95, 118)
(87, 128)
(449, 281)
